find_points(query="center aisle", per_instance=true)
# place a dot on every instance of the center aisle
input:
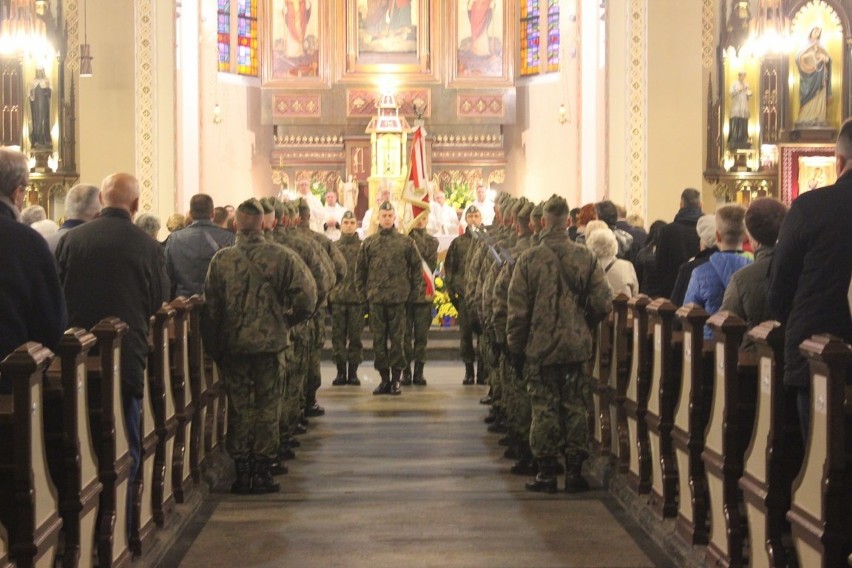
(413, 480)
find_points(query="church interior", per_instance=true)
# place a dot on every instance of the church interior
(627, 100)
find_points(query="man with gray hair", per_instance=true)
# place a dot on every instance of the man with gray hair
(82, 204)
(33, 214)
(14, 178)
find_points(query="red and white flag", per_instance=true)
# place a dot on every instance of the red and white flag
(417, 188)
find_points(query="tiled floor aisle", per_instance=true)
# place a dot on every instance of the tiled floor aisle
(409, 481)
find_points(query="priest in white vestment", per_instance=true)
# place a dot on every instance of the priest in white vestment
(443, 219)
(303, 190)
(484, 204)
(333, 216)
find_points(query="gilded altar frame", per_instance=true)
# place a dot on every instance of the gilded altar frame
(311, 71)
(355, 65)
(497, 74)
(794, 160)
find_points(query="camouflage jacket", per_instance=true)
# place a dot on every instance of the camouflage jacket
(496, 306)
(251, 310)
(388, 269)
(478, 248)
(334, 254)
(427, 246)
(455, 264)
(557, 294)
(344, 292)
(504, 237)
(312, 255)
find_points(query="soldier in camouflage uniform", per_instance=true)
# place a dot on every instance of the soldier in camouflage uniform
(419, 317)
(314, 378)
(255, 292)
(388, 274)
(557, 294)
(535, 223)
(322, 270)
(456, 281)
(347, 308)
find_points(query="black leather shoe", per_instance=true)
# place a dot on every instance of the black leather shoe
(261, 479)
(300, 429)
(406, 376)
(340, 379)
(395, 383)
(242, 482)
(314, 410)
(278, 468)
(524, 467)
(418, 378)
(541, 484)
(485, 399)
(353, 375)
(469, 378)
(383, 388)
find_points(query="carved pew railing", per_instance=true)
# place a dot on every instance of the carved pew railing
(774, 456)
(165, 421)
(182, 393)
(70, 448)
(636, 398)
(28, 498)
(821, 512)
(198, 387)
(110, 438)
(728, 431)
(600, 419)
(692, 411)
(663, 392)
(617, 385)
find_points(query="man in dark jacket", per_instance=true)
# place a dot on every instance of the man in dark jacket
(811, 268)
(32, 307)
(111, 267)
(678, 240)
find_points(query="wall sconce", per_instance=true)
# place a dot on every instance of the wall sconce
(217, 114)
(563, 114)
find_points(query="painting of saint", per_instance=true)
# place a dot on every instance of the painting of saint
(480, 49)
(295, 51)
(814, 65)
(388, 26)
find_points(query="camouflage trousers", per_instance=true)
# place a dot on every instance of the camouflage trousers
(293, 397)
(516, 399)
(347, 325)
(466, 350)
(417, 323)
(387, 322)
(559, 396)
(313, 381)
(489, 357)
(253, 382)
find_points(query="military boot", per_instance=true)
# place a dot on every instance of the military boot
(418, 375)
(406, 375)
(314, 409)
(385, 386)
(574, 480)
(242, 482)
(278, 467)
(340, 379)
(394, 386)
(285, 452)
(261, 480)
(480, 372)
(525, 464)
(545, 480)
(353, 375)
(469, 378)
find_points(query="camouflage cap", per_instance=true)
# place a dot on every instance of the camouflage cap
(525, 212)
(537, 211)
(251, 207)
(386, 206)
(348, 215)
(279, 209)
(509, 207)
(556, 206)
(302, 206)
(472, 210)
(290, 210)
(519, 204)
(268, 204)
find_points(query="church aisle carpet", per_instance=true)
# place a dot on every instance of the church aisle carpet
(409, 481)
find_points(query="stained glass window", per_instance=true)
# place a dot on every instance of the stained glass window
(223, 28)
(247, 56)
(530, 38)
(552, 36)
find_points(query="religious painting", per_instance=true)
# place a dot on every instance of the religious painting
(805, 167)
(816, 68)
(483, 51)
(295, 43)
(392, 38)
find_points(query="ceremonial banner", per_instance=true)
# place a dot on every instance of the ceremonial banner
(416, 193)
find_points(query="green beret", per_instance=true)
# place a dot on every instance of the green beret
(386, 206)
(348, 215)
(251, 207)
(556, 206)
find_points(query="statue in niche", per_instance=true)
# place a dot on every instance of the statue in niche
(814, 64)
(40, 93)
(349, 192)
(738, 122)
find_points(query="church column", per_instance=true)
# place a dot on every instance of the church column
(656, 103)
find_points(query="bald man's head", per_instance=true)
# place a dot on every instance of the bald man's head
(122, 192)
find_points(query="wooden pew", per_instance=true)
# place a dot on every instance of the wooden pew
(198, 387)
(211, 400)
(617, 385)
(110, 438)
(663, 392)
(636, 398)
(691, 414)
(821, 512)
(29, 506)
(70, 449)
(774, 455)
(165, 421)
(600, 420)
(728, 431)
(182, 393)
